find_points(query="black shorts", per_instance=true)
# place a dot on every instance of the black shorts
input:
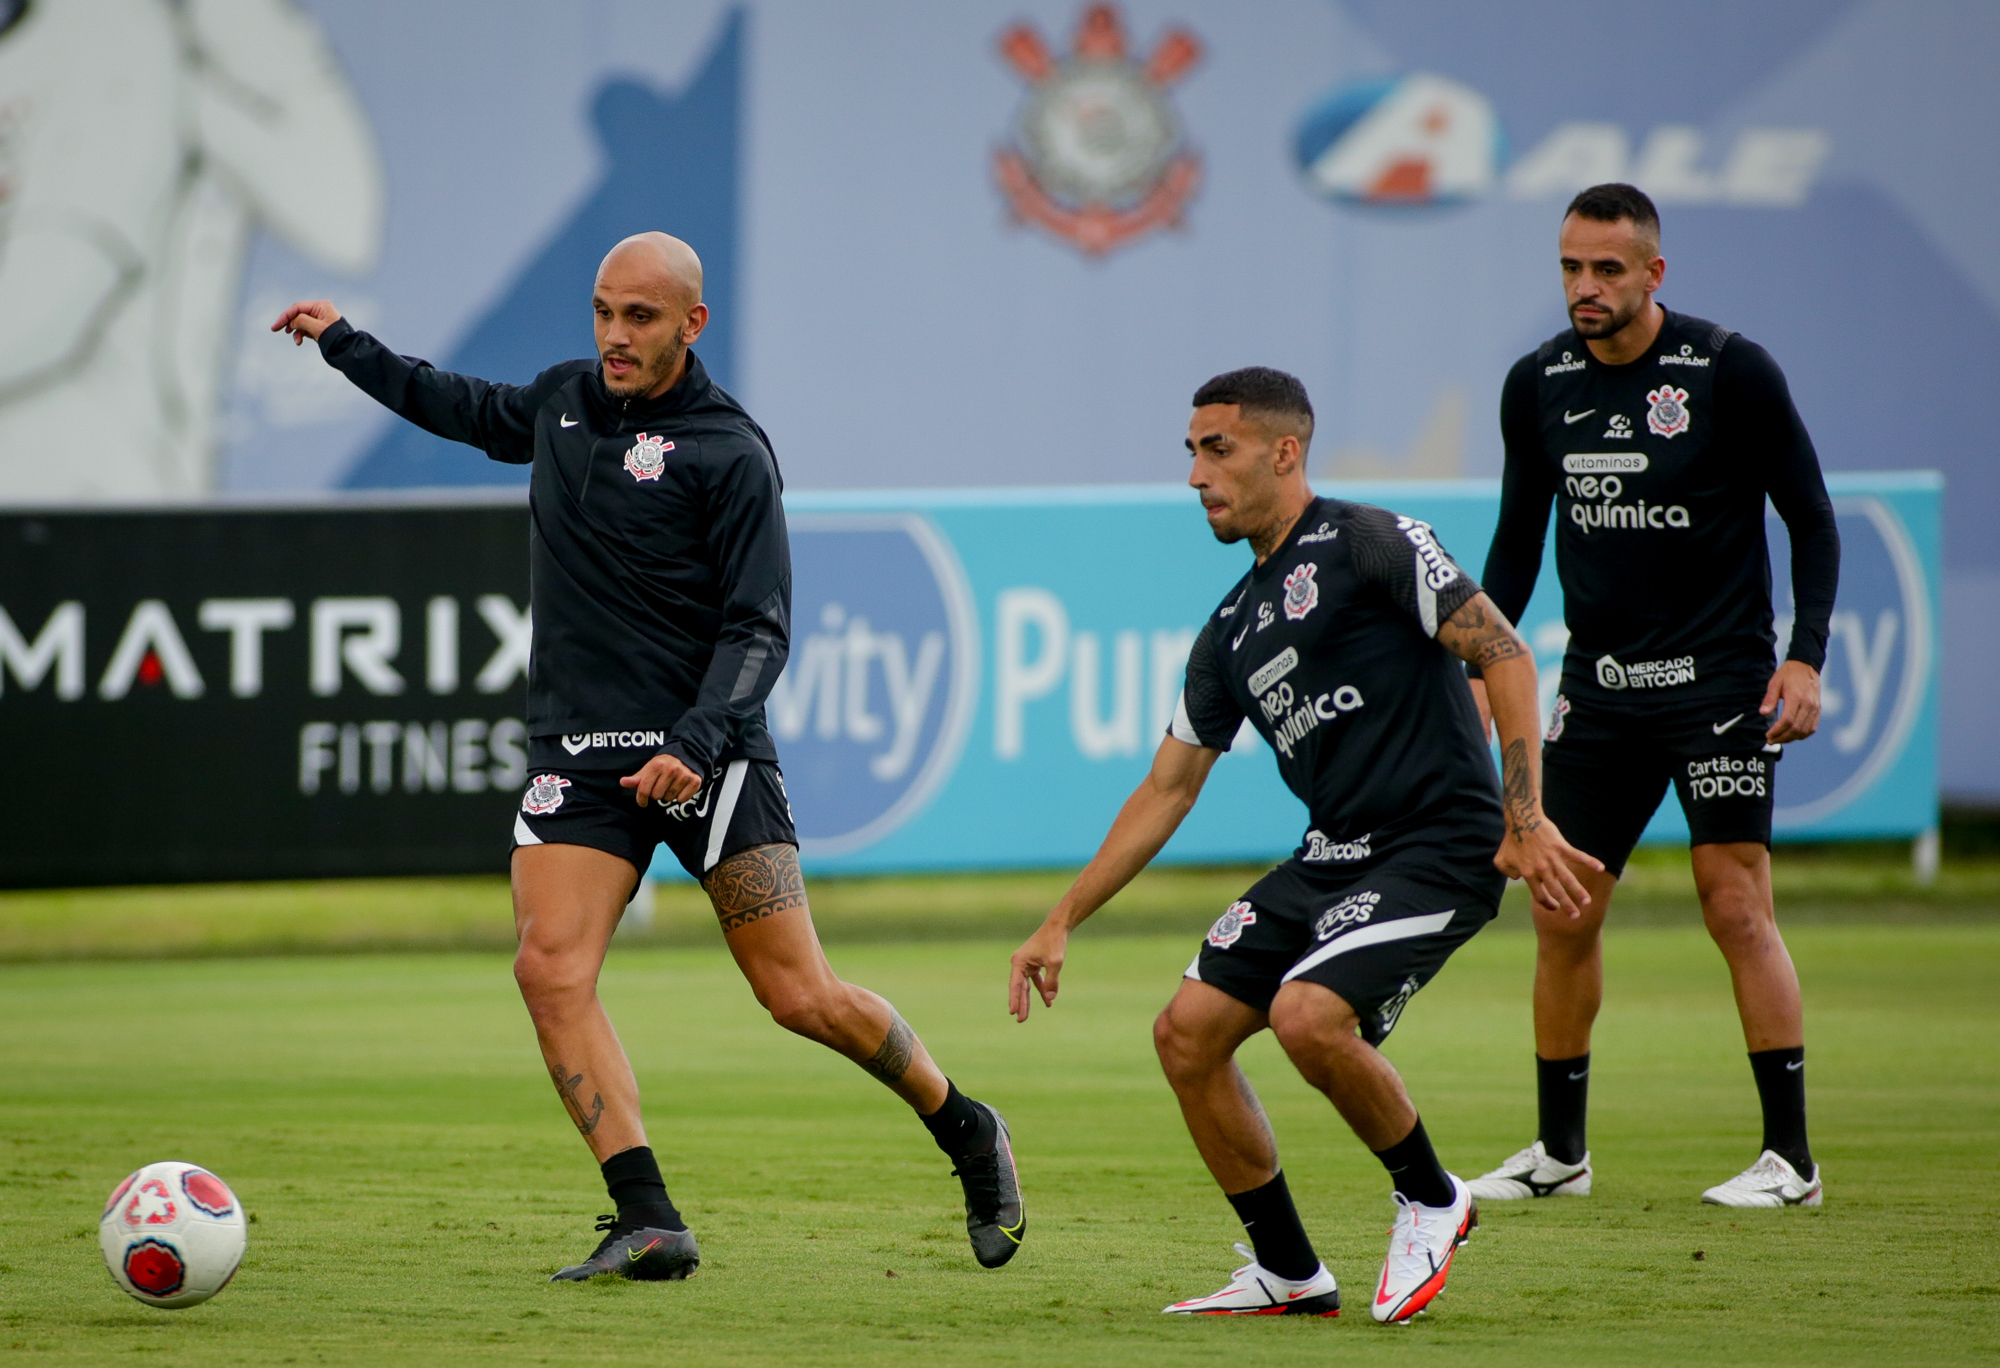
(1374, 937)
(1605, 768)
(741, 806)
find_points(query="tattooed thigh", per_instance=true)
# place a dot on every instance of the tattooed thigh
(752, 884)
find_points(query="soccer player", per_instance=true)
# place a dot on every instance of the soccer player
(661, 591)
(1658, 436)
(1341, 646)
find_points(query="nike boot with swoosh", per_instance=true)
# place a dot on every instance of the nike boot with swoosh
(994, 1217)
(1255, 1290)
(642, 1253)
(1422, 1244)
(1531, 1173)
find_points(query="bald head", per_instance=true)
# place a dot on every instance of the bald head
(656, 264)
(649, 311)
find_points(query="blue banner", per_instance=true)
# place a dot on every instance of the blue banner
(978, 679)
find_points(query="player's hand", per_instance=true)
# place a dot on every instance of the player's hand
(1794, 696)
(1485, 708)
(663, 779)
(1039, 961)
(309, 318)
(1537, 854)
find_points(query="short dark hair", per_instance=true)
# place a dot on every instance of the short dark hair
(1264, 392)
(1616, 200)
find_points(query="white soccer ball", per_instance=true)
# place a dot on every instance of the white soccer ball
(172, 1234)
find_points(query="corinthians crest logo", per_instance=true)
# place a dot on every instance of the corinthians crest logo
(1668, 415)
(648, 457)
(1100, 157)
(1301, 591)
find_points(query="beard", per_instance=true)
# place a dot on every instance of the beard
(648, 374)
(1614, 322)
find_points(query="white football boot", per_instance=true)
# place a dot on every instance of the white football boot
(1421, 1246)
(1531, 1173)
(1256, 1291)
(1770, 1182)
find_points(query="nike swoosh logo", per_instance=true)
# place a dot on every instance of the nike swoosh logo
(1574, 1077)
(637, 1254)
(1294, 1296)
(1569, 417)
(1795, 1065)
(568, 421)
(1239, 637)
(1720, 727)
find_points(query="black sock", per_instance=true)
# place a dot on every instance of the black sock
(957, 1126)
(1272, 1223)
(1781, 1087)
(1562, 1086)
(1414, 1167)
(632, 1177)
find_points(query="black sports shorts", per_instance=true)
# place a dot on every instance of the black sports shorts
(1373, 937)
(741, 806)
(1606, 766)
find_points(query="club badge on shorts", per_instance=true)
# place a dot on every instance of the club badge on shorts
(1558, 715)
(544, 795)
(1228, 928)
(1301, 591)
(1668, 415)
(648, 457)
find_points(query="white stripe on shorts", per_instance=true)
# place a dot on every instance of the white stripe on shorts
(725, 809)
(523, 836)
(1380, 933)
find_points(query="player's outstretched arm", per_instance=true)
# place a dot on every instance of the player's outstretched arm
(1533, 850)
(1149, 817)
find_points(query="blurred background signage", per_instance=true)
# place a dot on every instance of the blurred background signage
(995, 245)
(977, 680)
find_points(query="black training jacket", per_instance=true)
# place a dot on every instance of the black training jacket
(660, 575)
(1658, 471)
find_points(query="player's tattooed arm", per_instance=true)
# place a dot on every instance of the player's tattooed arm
(1517, 790)
(752, 884)
(1480, 633)
(892, 1058)
(568, 1087)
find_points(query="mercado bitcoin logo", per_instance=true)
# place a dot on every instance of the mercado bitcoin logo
(1100, 157)
(872, 710)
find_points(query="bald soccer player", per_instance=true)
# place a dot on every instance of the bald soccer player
(662, 593)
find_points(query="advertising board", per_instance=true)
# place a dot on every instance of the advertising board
(977, 680)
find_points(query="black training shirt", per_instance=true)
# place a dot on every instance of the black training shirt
(1659, 470)
(660, 576)
(1329, 649)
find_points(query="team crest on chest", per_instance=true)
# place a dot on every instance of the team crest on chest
(1668, 415)
(1301, 591)
(1228, 928)
(545, 795)
(648, 457)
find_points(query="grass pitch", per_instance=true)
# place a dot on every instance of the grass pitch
(414, 1180)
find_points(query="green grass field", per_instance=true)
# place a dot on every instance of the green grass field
(386, 1118)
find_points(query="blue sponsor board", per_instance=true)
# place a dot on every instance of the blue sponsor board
(979, 678)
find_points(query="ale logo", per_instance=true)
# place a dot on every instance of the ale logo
(873, 707)
(1879, 657)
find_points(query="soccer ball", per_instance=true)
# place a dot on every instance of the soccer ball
(172, 1234)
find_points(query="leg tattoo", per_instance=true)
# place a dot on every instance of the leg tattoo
(566, 1088)
(752, 884)
(891, 1059)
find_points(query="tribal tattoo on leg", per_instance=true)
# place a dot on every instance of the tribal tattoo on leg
(567, 1088)
(891, 1059)
(752, 884)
